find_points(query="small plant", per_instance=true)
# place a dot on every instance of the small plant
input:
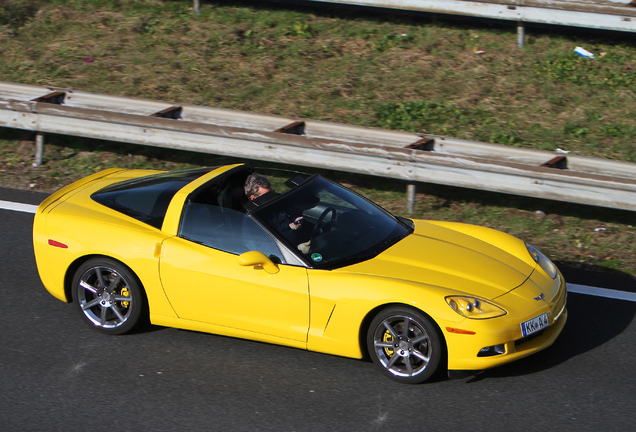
(391, 40)
(415, 115)
(613, 264)
(506, 138)
(300, 29)
(17, 13)
(608, 71)
(617, 130)
(576, 130)
(148, 25)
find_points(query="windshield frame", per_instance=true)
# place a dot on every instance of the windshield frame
(401, 227)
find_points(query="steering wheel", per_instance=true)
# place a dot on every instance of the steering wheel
(320, 221)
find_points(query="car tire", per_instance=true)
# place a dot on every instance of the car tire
(108, 296)
(405, 344)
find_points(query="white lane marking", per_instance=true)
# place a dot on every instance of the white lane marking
(26, 208)
(573, 288)
(602, 292)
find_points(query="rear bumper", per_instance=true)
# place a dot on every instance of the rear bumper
(50, 268)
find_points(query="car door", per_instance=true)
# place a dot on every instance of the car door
(204, 281)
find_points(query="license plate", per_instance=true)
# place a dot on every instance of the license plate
(534, 325)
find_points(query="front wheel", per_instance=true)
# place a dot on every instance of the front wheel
(108, 296)
(405, 345)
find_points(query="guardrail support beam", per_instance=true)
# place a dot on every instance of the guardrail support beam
(559, 162)
(295, 128)
(427, 144)
(39, 148)
(521, 34)
(410, 198)
(56, 97)
(173, 112)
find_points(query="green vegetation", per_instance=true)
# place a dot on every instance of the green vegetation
(404, 72)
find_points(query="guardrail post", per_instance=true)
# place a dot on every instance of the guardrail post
(521, 33)
(197, 6)
(410, 198)
(39, 148)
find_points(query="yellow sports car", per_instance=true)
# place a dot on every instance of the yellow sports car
(315, 266)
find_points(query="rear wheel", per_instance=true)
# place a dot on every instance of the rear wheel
(108, 296)
(405, 345)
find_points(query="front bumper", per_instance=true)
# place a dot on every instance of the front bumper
(503, 335)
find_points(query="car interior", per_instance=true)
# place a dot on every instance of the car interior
(215, 216)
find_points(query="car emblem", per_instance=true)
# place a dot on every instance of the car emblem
(540, 297)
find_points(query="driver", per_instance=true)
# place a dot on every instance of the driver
(259, 186)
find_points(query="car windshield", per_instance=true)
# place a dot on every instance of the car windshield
(329, 225)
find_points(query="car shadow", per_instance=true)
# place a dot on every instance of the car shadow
(592, 321)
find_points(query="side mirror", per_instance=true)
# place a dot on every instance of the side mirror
(258, 260)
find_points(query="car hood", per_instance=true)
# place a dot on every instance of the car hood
(466, 258)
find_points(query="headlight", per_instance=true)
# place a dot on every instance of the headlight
(543, 261)
(474, 308)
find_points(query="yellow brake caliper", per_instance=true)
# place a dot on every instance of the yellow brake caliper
(125, 293)
(388, 338)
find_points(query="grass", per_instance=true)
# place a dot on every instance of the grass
(407, 72)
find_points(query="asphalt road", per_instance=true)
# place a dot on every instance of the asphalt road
(56, 374)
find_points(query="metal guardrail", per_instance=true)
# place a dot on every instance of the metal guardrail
(617, 15)
(392, 154)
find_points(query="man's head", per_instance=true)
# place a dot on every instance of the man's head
(256, 185)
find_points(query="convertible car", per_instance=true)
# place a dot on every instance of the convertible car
(313, 266)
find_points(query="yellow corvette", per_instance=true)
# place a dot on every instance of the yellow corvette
(316, 267)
